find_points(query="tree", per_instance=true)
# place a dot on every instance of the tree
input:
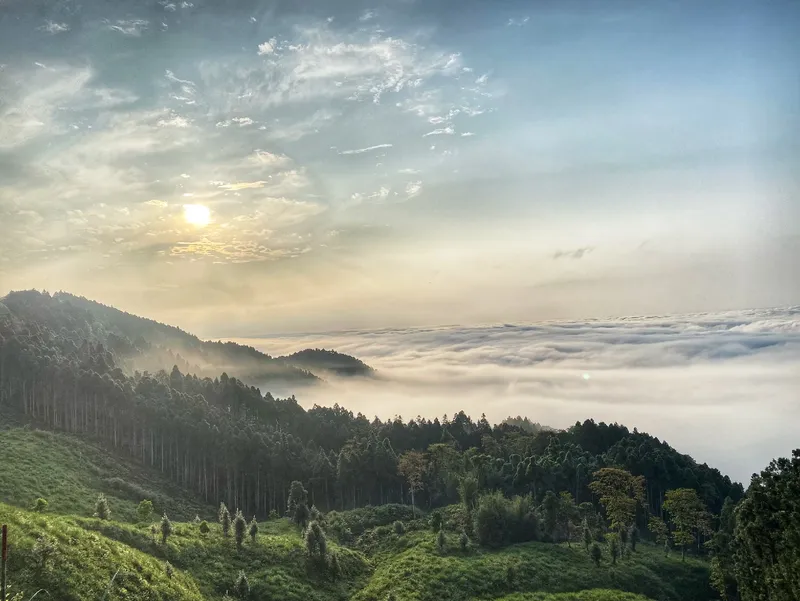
(587, 536)
(767, 534)
(441, 542)
(597, 553)
(613, 547)
(436, 520)
(101, 508)
(412, 465)
(297, 504)
(620, 494)
(633, 537)
(204, 529)
(224, 519)
(334, 566)
(463, 541)
(166, 528)
(40, 505)
(688, 516)
(144, 510)
(239, 528)
(658, 529)
(550, 507)
(253, 530)
(399, 528)
(468, 492)
(316, 543)
(567, 516)
(241, 586)
(723, 576)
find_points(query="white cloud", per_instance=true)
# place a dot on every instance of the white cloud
(156, 203)
(449, 131)
(467, 134)
(130, 27)
(52, 27)
(367, 149)
(413, 189)
(482, 79)
(721, 387)
(267, 47)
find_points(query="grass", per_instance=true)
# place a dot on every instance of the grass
(82, 563)
(87, 552)
(70, 473)
(421, 573)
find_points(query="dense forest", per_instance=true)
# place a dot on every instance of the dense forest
(72, 365)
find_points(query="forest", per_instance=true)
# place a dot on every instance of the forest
(70, 365)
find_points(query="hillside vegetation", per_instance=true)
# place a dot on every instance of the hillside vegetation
(353, 508)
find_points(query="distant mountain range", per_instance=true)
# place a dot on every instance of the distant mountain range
(142, 344)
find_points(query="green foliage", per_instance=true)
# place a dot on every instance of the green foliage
(399, 528)
(498, 521)
(101, 508)
(253, 529)
(441, 542)
(688, 516)
(144, 510)
(241, 586)
(166, 529)
(468, 491)
(435, 521)
(597, 553)
(767, 534)
(168, 569)
(463, 541)
(613, 547)
(658, 529)
(633, 537)
(587, 536)
(239, 528)
(224, 517)
(316, 544)
(204, 528)
(357, 521)
(334, 567)
(40, 505)
(620, 494)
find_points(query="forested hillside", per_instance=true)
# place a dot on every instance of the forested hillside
(599, 486)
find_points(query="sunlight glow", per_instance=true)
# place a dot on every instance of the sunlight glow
(198, 215)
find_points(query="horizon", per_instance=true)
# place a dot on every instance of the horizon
(352, 165)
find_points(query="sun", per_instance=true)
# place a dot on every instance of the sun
(198, 215)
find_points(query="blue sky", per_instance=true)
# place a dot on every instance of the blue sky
(369, 165)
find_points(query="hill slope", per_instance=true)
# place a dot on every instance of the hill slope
(145, 344)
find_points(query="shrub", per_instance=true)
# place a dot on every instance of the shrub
(101, 508)
(253, 530)
(436, 521)
(166, 528)
(463, 541)
(316, 543)
(241, 586)
(491, 520)
(170, 571)
(613, 547)
(224, 517)
(144, 510)
(633, 537)
(334, 566)
(40, 505)
(204, 529)
(587, 535)
(399, 528)
(441, 542)
(597, 554)
(43, 550)
(273, 515)
(239, 528)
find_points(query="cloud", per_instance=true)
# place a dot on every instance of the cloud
(367, 149)
(467, 134)
(578, 253)
(517, 22)
(721, 387)
(52, 27)
(130, 27)
(156, 203)
(449, 131)
(267, 47)
(413, 189)
(243, 185)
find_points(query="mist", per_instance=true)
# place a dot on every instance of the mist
(721, 387)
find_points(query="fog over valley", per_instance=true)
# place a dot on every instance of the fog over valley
(721, 387)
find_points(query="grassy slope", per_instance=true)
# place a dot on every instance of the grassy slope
(417, 571)
(70, 473)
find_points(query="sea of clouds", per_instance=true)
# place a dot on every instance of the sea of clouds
(723, 387)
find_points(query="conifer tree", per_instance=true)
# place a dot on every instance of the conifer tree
(239, 528)
(101, 508)
(166, 528)
(253, 529)
(224, 519)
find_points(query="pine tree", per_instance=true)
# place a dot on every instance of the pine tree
(253, 529)
(166, 528)
(239, 528)
(224, 519)
(241, 586)
(101, 508)
(441, 541)
(587, 536)
(597, 554)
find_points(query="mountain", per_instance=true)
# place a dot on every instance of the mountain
(143, 344)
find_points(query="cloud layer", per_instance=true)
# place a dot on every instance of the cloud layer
(723, 387)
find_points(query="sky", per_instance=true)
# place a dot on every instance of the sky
(243, 168)
(721, 387)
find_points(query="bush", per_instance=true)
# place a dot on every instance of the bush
(491, 520)
(224, 519)
(170, 571)
(40, 506)
(597, 554)
(334, 566)
(399, 528)
(436, 521)
(204, 529)
(101, 508)
(273, 515)
(463, 541)
(316, 543)
(241, 586)
(441, 542)
(144, 510)
(239, 528)
(253, 530)
(613, 547)
(166, 528)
